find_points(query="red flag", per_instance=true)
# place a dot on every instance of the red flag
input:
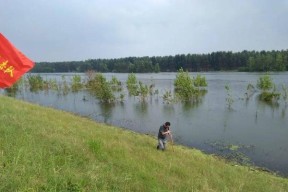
(13, 63)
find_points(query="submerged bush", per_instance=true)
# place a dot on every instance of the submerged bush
(64, 86)
(229, 98)
(11, 91)
(76, 83)
(200, 81)
(183, 84)
(187, 88)
(269, 96)
(168, 97)
(100, 87)
(265, 83)
(285, 92)
(116, 85)
(143, 91)
(132, 85)
(250, 91)
(35, 82)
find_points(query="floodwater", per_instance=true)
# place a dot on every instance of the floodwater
(252, 131)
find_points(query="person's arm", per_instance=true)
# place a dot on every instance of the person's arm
(166, 132)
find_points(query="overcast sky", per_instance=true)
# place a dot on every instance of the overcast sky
(73, 30)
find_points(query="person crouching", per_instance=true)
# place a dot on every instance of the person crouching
(164, 132)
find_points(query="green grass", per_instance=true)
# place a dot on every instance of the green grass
(42, 149)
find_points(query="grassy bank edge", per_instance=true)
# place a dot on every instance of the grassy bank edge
(44, 149)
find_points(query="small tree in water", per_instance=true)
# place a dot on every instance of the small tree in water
(100, 87)
(168, 97)
(76, 83)
(285, 93)
(36, 82)
(143, 91)
(137, 88)
(199, 81)
(184, 88)
(265, 83)
(116, 85)
(188, 88)
(132, 85)
(229, 98)
(250, 91)
(11, 91)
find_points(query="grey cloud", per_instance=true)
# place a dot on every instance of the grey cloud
(83, 29)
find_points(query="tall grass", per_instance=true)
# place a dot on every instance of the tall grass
(42, 149)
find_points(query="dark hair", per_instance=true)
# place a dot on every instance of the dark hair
(167, 123)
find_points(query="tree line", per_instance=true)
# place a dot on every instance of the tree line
(249, 61)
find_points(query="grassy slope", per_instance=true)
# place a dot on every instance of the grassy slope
(43, 149)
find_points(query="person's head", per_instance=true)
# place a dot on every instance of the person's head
(167, 124)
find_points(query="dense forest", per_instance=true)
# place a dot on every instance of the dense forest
(216, 61)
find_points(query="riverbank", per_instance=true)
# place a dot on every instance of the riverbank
(47, 149)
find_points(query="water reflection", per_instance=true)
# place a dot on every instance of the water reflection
(106, 111)
(168, 110)
(283, 114)
(141, 108)
(226, 117)
(272, 108)
(188, 106)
